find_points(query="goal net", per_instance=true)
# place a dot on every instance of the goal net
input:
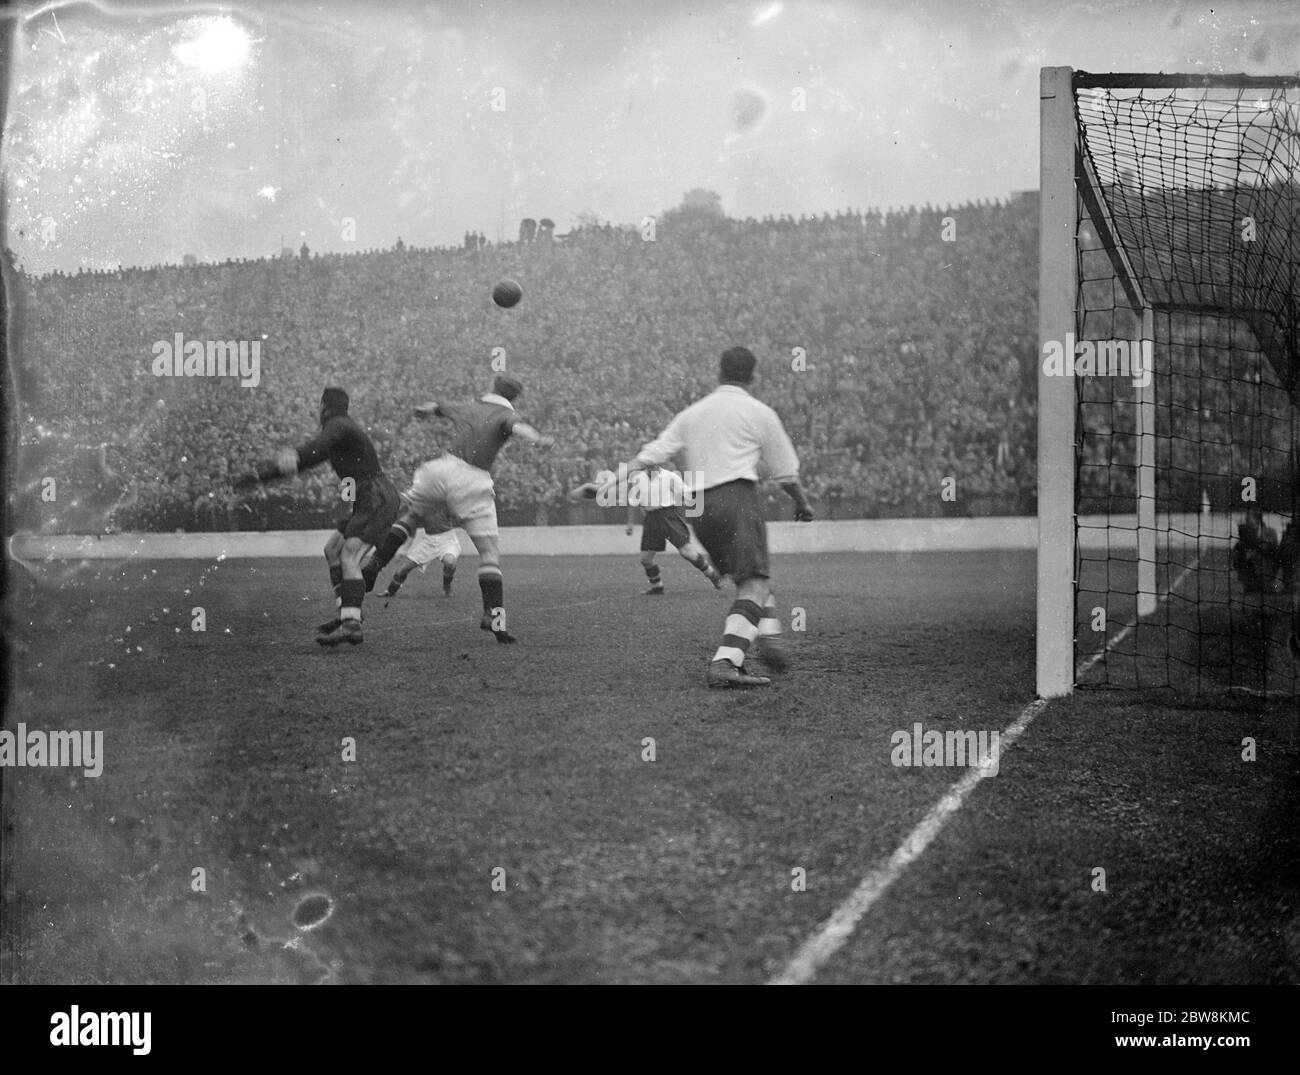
(1169, 380)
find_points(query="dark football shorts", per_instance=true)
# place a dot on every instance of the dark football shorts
(373, 512)
(661, 526)
(733, 531)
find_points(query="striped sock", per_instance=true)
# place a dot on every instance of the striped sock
(770, 625)
(653, 574)
(739, 632)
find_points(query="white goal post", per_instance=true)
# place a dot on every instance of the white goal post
(1062, 166)
(1057, 282)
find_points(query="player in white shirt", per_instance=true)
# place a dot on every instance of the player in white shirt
(661, 494)
(420, 550)
(725, 438)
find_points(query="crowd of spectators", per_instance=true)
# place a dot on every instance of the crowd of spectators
(898, 348)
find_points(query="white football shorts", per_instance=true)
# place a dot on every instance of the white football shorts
(466, 492)
(423, 549)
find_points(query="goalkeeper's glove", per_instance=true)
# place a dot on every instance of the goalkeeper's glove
(284, 465)
(803, 514)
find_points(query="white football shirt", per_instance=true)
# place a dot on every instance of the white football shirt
(662, 489)
(724, 437)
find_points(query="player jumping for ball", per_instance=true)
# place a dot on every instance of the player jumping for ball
(660, 493)
(375, 503)
(459, 482)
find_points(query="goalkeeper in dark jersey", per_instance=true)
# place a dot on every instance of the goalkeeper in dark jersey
(375, 503)
(460, 481)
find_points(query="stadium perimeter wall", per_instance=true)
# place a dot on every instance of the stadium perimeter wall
(838, 535)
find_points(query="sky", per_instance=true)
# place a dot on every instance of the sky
(141, 133)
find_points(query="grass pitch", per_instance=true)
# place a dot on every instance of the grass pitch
(525, 766)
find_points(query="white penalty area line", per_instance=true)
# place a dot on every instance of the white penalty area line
(837, 929)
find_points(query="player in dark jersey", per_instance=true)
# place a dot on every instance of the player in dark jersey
(375, 504)
(460, 481)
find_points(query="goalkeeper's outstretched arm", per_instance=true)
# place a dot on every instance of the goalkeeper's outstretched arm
(290, 461)
(286, 463)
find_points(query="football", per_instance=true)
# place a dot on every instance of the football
(507, 293)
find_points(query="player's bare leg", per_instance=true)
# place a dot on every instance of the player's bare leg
(652, 574)
(448, 573)
(334, 558)
(741, 629)
(693, 553)
(353, 593)
(493, 588)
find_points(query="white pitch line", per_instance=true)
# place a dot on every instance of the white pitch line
(1091, 662)
(837, 929)
(840, 926)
